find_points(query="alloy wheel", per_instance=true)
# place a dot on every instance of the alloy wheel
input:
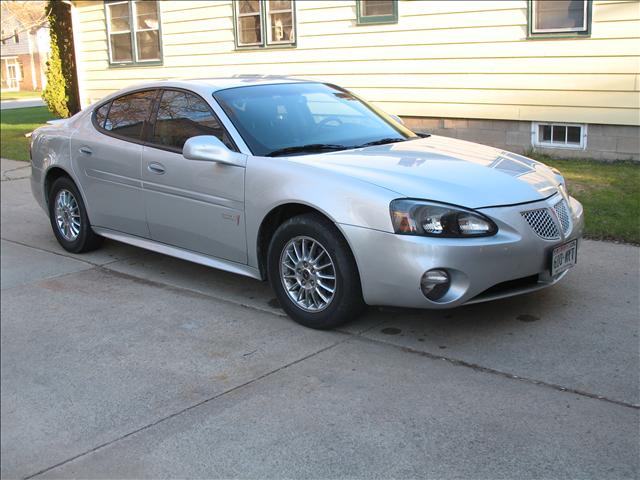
(67, 214)
(308, 274)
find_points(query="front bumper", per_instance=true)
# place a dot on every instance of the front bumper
(512, 262)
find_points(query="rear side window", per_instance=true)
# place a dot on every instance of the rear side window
(101, 114)
(128, 114)
(182, 115)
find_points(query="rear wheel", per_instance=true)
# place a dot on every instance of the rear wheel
(69, 219)
(313, 272)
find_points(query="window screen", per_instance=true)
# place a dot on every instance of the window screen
(559, 16)
(377, 11)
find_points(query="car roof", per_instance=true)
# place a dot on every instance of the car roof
(204, 86)
(216, 84)
(243, 81)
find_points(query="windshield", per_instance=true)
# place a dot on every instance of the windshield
(304, 117)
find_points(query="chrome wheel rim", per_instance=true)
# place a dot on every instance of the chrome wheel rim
(67, 214)
(308, 274)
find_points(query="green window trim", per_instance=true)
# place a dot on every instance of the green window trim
(558, 33)
(264, 44)
(134, 44)
(376, 19)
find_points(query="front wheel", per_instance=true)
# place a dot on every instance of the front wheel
(313, 272)
(69, 219)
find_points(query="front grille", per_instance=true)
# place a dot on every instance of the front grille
(542, 223)
(563, 215)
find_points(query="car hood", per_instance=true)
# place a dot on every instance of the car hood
(445, 170)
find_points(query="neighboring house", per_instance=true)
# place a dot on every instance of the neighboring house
(23, 58)
(562, 76)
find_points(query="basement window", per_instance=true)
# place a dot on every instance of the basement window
(559, 135)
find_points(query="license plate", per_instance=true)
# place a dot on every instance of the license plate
(564, 257)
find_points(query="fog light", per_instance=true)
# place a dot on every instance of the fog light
(435, 283)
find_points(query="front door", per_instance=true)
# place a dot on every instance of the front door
(13, 82)
(194, 205)
(107, 156)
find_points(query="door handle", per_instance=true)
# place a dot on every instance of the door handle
(155, 167)
(85, 150)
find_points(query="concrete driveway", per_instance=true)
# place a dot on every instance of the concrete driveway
(123, 363)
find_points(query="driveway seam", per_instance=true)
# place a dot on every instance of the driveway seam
(60, 254)
(479, 368)
(186, 409)
(13, 179)
(191, 291)
(49, 251)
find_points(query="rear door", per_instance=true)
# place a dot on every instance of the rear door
(107, 157)
(195, 205)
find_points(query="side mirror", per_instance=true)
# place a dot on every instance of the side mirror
(207, 148)
(396, 118)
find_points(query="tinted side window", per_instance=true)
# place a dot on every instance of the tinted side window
(181, 116)
(101, 114)
(129, 113)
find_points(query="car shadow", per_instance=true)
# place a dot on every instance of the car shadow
(497, 321)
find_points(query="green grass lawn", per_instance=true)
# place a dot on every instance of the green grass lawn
(19, 95)
(14, 124)
(610, 194)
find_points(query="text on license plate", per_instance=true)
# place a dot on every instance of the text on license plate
(564, 257)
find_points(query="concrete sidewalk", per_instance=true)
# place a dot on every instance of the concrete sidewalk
(127, 364)
(14, 170)
(22, 103)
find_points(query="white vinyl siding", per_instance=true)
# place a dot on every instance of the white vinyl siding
(455, 59)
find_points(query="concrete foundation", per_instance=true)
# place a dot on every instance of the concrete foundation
(604, 142)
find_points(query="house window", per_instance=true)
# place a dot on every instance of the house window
(134, 32)
(377, 11)
(568, 17)
(16, 36)
(264, 23)
(558, 135)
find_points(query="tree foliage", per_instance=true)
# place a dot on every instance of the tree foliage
(60, 94)
(21, 16)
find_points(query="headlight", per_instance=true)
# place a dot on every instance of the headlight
(417, 217)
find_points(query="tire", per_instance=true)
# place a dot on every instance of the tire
(74, 233)
(320, 308)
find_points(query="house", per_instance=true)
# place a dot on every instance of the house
(560, 76)
(23, 57)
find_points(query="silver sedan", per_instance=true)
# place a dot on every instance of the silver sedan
(333, 201)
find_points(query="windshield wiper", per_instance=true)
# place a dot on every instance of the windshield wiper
(382, 141)
(312, 147)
